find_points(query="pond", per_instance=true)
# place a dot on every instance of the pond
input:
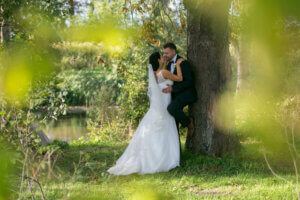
(66, 128)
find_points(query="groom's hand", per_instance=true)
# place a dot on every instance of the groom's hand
(168, 89)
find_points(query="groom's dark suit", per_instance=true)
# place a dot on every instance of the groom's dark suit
(183, 93)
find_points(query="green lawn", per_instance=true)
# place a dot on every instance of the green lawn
(81, 174)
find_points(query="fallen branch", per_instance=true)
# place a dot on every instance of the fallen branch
(38, 183)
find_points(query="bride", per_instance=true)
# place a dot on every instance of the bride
(155, 144)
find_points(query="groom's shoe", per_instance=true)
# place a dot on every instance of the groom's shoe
(191, 128)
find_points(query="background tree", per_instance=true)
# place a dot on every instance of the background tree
(238, 41)
(7, 8)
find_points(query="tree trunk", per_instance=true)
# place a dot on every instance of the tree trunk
(72, 7)
(6, 32)
(239, 68)
(242, 51)
(208, 52)
(1, 26)
(5, 29)
(1, 32)
(91, 7)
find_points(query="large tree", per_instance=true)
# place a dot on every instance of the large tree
(208, 52)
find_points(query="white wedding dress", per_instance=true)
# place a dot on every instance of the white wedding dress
(155, 144)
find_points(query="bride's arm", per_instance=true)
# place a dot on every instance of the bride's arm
(173, 77)
(165, 63)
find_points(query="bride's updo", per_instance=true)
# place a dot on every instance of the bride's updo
(153, 60)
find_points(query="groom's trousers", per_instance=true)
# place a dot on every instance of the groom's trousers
(175, 108)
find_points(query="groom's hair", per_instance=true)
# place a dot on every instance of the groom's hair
(153, 60)
(170, 45)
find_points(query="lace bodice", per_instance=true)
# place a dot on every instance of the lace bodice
(162, 82)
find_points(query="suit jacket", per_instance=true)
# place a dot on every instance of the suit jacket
(184, 89)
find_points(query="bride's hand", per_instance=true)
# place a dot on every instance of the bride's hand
(179, 61)
(165, 62)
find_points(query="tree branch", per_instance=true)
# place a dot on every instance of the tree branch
(274, 173)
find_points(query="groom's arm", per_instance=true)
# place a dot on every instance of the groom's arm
(187, 78)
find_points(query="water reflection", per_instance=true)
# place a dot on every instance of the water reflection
(66, 128)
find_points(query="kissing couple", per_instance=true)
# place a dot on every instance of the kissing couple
(155, 146)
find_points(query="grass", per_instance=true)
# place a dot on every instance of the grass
(81, 174)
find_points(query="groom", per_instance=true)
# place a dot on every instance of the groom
(183, 93)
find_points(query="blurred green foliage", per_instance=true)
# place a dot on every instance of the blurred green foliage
(6, 171)
(269, 32)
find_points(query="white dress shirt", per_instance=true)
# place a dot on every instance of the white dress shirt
(173, 64)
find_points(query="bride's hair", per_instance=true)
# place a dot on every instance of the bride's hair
(153, 60)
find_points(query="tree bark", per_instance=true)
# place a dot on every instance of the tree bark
(208, 52)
